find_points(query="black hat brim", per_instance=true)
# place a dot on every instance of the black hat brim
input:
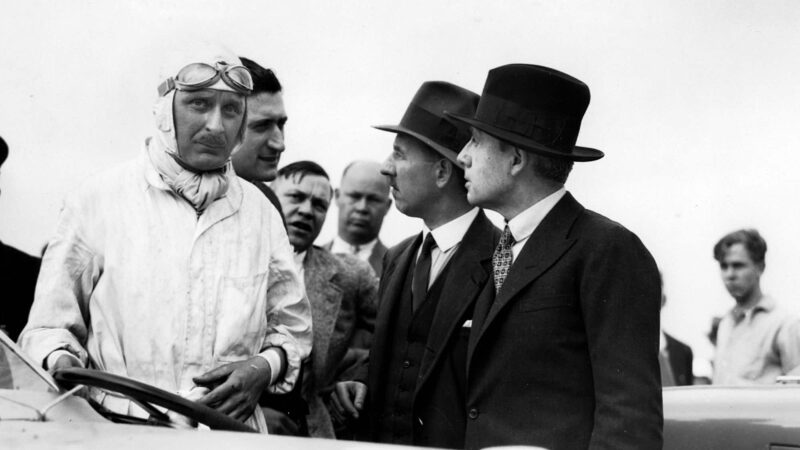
(450, 154)
(580, 154)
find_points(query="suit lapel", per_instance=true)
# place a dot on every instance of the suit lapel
(544, 248)
(468, 269)
(326, 299)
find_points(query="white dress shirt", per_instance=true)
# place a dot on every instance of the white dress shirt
(448, 237)
(339, 245)
(524, 224)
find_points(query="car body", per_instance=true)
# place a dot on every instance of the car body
(765, 417)
(36, 414)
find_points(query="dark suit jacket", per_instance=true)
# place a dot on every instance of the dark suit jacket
(680, 360)
(566, 355)
(375, 258)
(18, 274)
(343, 293)
(468, 271)
(270, 194)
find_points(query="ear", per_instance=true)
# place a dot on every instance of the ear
(520, 159)
(444, 170)
(336, 193)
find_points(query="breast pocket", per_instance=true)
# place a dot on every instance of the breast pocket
(541, 303)
(241, 316)
(546, 315)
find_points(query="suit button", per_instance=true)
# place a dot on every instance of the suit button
(406, 364)
(473, 413)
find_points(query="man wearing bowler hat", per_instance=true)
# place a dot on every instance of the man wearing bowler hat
(563, 352)
(416, 382)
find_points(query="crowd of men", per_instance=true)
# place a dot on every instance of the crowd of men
(184, 269)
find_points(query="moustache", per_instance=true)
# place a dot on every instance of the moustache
(211, 140)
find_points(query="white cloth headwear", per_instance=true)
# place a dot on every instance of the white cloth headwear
(198, 188)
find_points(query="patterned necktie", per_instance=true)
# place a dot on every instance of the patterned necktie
(502, 257)
(422, 272)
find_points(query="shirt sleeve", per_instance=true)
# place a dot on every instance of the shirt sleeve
(289, 312)
(60, 312)
(788, 345)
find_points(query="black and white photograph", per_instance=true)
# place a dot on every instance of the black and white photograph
(376, 224)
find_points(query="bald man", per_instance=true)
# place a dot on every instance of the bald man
(363, 201)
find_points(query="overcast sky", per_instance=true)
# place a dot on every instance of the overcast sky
(696, 105)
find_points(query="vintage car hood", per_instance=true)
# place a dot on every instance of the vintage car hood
(746, 417)
(73, 424)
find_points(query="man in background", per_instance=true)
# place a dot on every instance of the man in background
(341, 288)
(257, 158)
(18, 273)
(757, 340)
(363, 201)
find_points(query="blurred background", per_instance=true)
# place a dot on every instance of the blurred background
(696, 105)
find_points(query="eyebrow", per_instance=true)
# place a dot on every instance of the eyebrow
(260, 122)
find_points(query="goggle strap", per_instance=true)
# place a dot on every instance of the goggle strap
(166, 86)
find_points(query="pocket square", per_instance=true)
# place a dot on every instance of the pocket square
(467, 324)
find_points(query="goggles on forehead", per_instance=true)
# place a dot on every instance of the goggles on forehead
(198, 76)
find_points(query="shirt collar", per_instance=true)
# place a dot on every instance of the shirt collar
(525, 223)
(451, 233)
(299, 258)
(766, 304)
(339, 245)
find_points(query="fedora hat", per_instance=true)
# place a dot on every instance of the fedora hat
(535, 108)
(426, 117)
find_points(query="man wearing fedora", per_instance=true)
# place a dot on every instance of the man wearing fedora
(563, 352)
(416, 381)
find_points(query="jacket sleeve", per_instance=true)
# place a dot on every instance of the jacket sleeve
(366, 292)
(289, 312)
(620, 298)
(70, 269)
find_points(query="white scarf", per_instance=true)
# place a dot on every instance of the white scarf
(200, 189)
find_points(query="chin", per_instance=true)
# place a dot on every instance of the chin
(207, 163)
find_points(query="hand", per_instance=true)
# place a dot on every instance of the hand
(235, 387)
(65, 362)
(347, 399)
(280, 423)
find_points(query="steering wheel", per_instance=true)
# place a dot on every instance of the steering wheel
(145, 396)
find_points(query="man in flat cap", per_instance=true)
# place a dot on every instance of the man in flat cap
(172, 271)
(416, 378)
(564, 346)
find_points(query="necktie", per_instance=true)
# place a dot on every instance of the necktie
(422, 271)
(356, 249)
(501, 259)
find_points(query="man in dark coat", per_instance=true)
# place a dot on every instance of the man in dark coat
(563, 352)
(256, 160)
(680, 358)
(363, 201)
(18, 274)
(416, 382)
